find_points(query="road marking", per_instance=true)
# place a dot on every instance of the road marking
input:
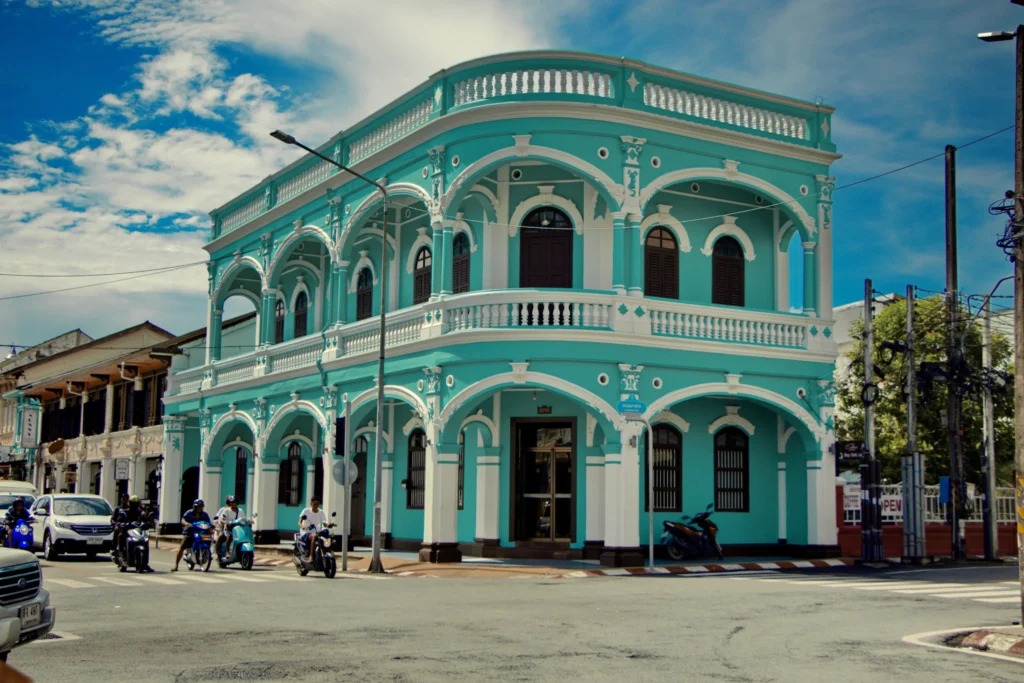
(199, 579)
(960, 589)
(279, 576)
(115, 581)
(892, 586)
(237, 577)
(1006, 601)
(160, 580)
(70, 583)
(980, 594)
(936, 587)
(851, 584)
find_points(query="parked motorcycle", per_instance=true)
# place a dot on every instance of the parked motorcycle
(242, 548)
(20, 536)
(698, 537)
(198, 552)
(323, 556)
(134, 550)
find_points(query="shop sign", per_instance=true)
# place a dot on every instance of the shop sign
(29, 437)
(851, 497)
(121, 469)
(892, 506)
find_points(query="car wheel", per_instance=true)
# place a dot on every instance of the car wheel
(49, 551)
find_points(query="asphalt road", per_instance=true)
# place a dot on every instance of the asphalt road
(269, 625)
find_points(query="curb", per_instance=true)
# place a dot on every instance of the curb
(936, 640)
(710, 568)
(993, 641)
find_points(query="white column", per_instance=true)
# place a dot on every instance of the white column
(137, 481)
(440, 506)
(488, 494)
(622, 502)
(209, 485)
(82, 478)
(108, 412)
(310, 479)
(595, 498)
(821, 502)
(782, 500)
(108, 487)
(265, 495)
(387, 478)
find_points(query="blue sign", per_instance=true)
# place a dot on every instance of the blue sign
(944, 496)
(631, 405)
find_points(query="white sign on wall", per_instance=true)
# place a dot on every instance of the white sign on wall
(121, 469)
(851, 497)
(892, 506)
(29, 428)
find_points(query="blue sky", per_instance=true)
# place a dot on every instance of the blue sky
(122, 123)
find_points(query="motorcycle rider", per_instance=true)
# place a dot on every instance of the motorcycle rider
(130, 513)
(311, 519)
(227, 514)
(16, 513)
(196, 514)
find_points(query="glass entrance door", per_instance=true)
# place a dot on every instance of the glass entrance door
(545, 496)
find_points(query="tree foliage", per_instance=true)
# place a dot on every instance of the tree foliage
(891, 407)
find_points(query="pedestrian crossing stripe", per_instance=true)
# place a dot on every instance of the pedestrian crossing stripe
(962, 588)
(70, 583)
(980, 594)
(161, 580)
(998, 600)
(116, 581)
(199, 579)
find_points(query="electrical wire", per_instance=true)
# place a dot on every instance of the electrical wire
(125, 272)
(93, 284)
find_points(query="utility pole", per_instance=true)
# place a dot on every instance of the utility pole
(988, 462)
(870, 528)
(953, 361)
(913, 463)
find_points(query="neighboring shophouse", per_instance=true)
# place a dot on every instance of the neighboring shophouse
(100, 412)
(561, 231)
(10, 372)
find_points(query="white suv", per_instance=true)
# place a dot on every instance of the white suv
(72, 523)
(25, 612)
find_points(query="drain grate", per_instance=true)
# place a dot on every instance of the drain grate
(52, 636)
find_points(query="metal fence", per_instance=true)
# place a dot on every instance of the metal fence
(935, 512)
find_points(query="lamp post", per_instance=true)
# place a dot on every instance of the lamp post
(375, 563)
(1018, 289)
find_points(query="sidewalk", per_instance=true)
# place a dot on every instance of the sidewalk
(1006, 641)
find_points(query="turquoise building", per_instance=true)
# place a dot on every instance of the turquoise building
(562, 231)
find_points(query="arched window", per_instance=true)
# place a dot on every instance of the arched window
(415, 482)
(668, 469)
(364, 294)
(279, 322)
(460, 264)
(661, 264)
(732, 471)
(289, 483)
(545, 249)
(727, 273)
(301, 306)
(421, 276)
(241, 474)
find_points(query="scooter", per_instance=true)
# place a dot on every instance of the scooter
(699, 537)
(20, 536)
(242, 548)
(135, 552)
(198, 553)
(323, 556)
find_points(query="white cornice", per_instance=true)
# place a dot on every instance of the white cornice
(524, 110)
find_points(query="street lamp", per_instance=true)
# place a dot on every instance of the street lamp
(1018, 275)
(375, 563)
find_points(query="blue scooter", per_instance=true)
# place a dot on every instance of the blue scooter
(243, 548)
(198, 553)
(20, 536)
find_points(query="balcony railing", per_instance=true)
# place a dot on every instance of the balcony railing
(544, 77)
(521, 309)
(934, 511)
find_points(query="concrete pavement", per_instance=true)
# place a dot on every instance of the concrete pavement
(268, 625)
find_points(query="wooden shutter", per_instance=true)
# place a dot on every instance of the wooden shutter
(364, 303)
(284, 477)
(652, 272)
(318, 478)
(670, 274)
(460, 274)
(301, 307)
(736, 283)
(421, 285)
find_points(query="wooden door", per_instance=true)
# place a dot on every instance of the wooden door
(545, 258)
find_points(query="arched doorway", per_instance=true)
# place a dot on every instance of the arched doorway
(545, 249)
(189, 488)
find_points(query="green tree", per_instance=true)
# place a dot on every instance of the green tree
(890, 325)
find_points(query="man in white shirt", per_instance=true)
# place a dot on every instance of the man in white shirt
(311, 519)
(229, 513)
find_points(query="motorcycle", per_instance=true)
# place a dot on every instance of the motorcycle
(198, 553)
(323, 556)
(134, 550)
(20, 536)
(699, 537)
(242, 548)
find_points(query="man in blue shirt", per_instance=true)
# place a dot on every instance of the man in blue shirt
(196, 514)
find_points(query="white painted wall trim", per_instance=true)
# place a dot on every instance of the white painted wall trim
(297, 235)
(663, 219)
(239, 263)
(296, 407)
(729, 228)
(421, 241)
(462, 226)
(363, 262)
(491, 427)
(784, 434)
(371, 429)
(545, 197)
(300, 287)
(414, 422)
(732, 418)
(391, 391)
(668, 417)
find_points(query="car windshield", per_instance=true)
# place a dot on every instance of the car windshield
(7, 500)
(75, 507)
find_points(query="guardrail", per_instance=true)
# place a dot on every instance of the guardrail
(548, 77)
(517, 309)
(935, 512)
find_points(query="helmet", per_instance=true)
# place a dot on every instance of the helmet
(134, 500)
(230, 499)
(19, 499)
(197, 502)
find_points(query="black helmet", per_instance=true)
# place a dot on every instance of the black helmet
(19, 499)
(134, 500)
(197, 502)
(230, 499)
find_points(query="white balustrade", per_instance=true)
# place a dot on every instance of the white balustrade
(293, 356)
(302, 181)
(723, 111)
(385, 134)
(745, 327)
(529, 308)
(243, 214)
(532, 82)
(402, 327)
(236, 371)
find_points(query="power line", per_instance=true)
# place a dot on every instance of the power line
(125, 272)
(93, 284)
